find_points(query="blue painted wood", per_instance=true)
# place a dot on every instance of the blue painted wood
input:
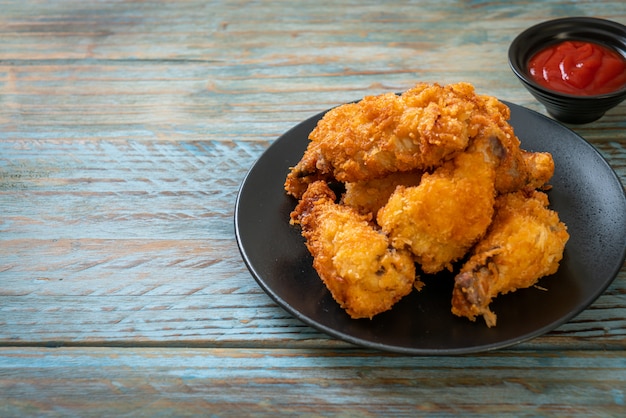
(288, 382)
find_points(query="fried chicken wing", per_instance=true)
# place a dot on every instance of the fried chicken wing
(516, 168)
(355, 261)
(367, 197)
(449, 211)
(524, 243)
(432, 176)
(417, 130)
(540, 169)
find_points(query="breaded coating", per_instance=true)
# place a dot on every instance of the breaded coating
(448, 212)
(364, 274)
(524, 243)
(367, 197)
(516, 168)
(540, 169)
(433, 177)
(417, 130)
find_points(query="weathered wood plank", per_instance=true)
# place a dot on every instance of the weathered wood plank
(215, 382)
(126, 127)
(138, 247)
(153, 71)
(119, 189)
(132, 189)
(183, 291)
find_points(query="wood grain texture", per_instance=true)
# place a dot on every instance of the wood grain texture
(242, 382)
(126, 128)
(212, 70)
(141, 249)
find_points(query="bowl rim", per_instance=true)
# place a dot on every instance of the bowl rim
(541, 30)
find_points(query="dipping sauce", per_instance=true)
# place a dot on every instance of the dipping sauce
(579, 68)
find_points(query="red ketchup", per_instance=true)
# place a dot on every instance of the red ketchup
(579, 68)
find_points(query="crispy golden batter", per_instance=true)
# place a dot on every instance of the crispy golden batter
(378, 135)
(540, 169)
(423, 173)
(524, 243)
(418, 130)
(449, 211)
(363, 273)
(516, 168)
(367, 197)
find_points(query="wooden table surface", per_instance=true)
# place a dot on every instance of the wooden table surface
(126, 129)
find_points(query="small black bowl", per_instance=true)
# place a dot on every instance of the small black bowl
(566, 107)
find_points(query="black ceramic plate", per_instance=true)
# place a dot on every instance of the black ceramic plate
(586, 193)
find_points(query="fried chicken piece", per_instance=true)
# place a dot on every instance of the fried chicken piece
(449, 211)
(427, 166)
(367, 197)
(516, 169)
(378, 135)
(524, 243)
(540, 169)
(306, 172)
(356, 262)
(418, 130)
(520, 169)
